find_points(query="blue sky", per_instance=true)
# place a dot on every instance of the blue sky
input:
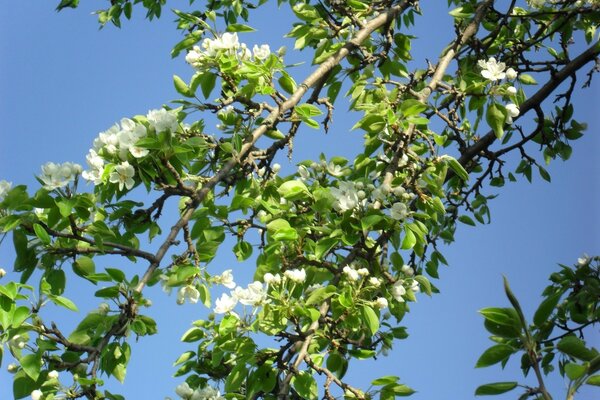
(62, 81)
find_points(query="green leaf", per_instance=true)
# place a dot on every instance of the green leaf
(546, 308)
(495, 388)
(23, 385)
(19, 316)
(576, 348)
(465, 219)
(63, 302)
(494, 355)
(324, 246)
(293, 190)
(495, 117)
(242, 250)
(181, 87)
(593, 380)
(370, 318)
(575, 371)
(184, 357)
(236, 378)
(84, 266)
(458, 169)
(239, 28)
(41, 233)
(305, 385)
(31, 364)
(192, 335)
(385, 380)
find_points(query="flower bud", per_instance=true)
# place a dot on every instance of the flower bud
(53, 374)
(511, 74)
(12, 368)
(2, 273)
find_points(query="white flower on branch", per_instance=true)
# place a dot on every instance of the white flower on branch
(184, 390)
(398, 291)
(381, 303)
(55, 176)
(492, 69)
(225, 279)
(189, 293)
(225, 304)
(123, 175)
(162, 120)
(295, 275)
(511, 74)
(261, 52)
(36, 394)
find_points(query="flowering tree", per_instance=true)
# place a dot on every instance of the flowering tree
(340, 246)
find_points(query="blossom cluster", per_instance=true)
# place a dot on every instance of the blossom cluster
(496, 71)
(117, 145)
(207, 393)
(201, 57)
(56, 176)
(349, 195)
(578, 3)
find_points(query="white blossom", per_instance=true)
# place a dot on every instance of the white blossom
(253, 295)
(2, 273)
(295, 275)
(189, 293)
(123, 175)
(184, 390)
(164, 283)
(12, 368)
(375, 281)
(381, 302)
(107, 140)
(407, 270)
(225, 304)
(55, 176)
(303, 172)
(398, 291)
(207, 393)
(351, 273)
(363, 272)
(399, 211)
(276, 168)
(225, 279)
(96, 164)
(162, 120)
(511, 90)
(511, 74)
(269, 278)
(53, 374)
(36, 394)
(261, 52)
(513, 110)
(346, 195)
(4, 188)
(414, 286)
(583, 260)
(492, 70)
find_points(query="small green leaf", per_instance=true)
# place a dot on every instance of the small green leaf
(495, 388)
(41, 233)
(458, 169)
(593, 380)
(64, 302)
(546, 308)
(192, 335)
(385, 380)
(239, 28)
(575, 347)
(236, 378)
(31, 364)
(305, 385)
(84, 266)
(293, 190)
(370, 318)
(495, 117)
(181, 87)
(575, 371)
(494, 355)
